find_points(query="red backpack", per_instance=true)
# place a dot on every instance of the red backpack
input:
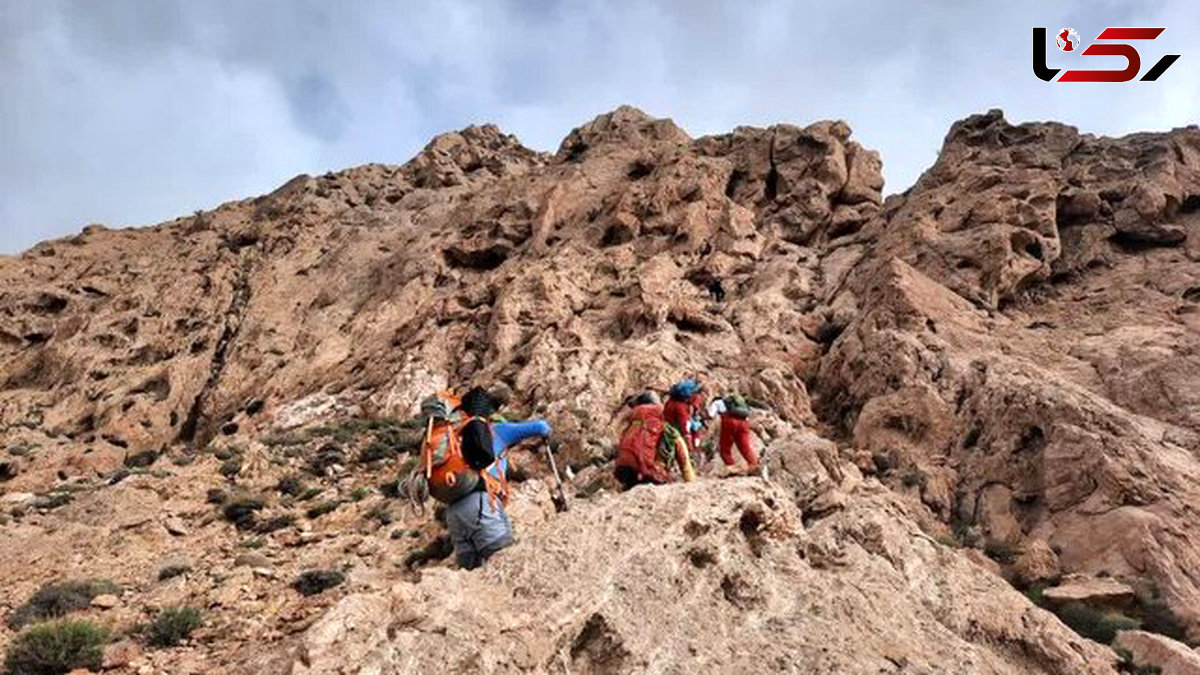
(638, 448)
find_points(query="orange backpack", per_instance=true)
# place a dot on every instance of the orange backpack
(449, 476)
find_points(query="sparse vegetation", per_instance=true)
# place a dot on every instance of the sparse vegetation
(313, 582)
(309, 493)
(323, 508)
(325, 458)
(290, 485)
(275, 523)
(284, 439)
(381, 513)
(171, 571)
(241, 510)
(59, 599)
(360, 493)
(1094, 624)
(173, 625)
(216, 496)
(230, 467)
(375, 452)
(252, 544)
(56, 647)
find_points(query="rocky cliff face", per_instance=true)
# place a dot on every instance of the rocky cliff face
(1003, 360)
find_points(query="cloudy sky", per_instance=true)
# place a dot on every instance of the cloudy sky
(129, 112)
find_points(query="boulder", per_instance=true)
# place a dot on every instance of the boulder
(1151, 650)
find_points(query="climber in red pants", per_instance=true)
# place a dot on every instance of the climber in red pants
(735, 429)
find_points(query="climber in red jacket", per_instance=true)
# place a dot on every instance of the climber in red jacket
(735, 429)
(682, 410)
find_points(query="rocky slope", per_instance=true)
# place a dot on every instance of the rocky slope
(1000, 360)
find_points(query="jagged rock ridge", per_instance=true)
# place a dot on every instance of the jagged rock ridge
(1009, 346)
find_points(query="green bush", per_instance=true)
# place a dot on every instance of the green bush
(360, 493)
(58, 599)
(313, 582)
(309, 493)
(323, 508)
(276, 523)
(1094, 624)
(56, 647)
(172, 625)
(240, 511)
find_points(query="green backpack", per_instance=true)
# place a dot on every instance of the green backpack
(667, 443)
(736, 405)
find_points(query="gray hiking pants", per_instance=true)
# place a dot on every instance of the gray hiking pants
(476, 529)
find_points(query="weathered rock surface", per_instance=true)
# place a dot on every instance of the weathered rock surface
(1155, 651)
(734, 582)
(1002, 358)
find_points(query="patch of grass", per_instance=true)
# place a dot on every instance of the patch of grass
(56, 647)
(360, 493)
(375, 452)
(326, 457)
(284, 439)
(290, 485)
(1094, 624)
(58, 599)
(173, 625)
(1152, 610)
(171, 571)
(230, 467)
(241, 510)
(323, 508)
(313, 582)
(252, 544)
(309, 493)
(381, 513)
(276, 523)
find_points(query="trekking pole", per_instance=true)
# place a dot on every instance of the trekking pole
(558, 495)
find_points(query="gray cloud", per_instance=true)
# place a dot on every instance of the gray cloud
(130, 112)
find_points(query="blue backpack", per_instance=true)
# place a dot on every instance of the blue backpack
(682, 391)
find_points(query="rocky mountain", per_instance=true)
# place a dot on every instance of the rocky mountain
(983, 444)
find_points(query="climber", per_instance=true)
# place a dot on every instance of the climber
(465, 462)
(649, 445)
(684, 409)
(734, 411)
(716, 290)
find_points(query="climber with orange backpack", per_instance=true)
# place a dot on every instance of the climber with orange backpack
(649, 445)
(464, 459)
